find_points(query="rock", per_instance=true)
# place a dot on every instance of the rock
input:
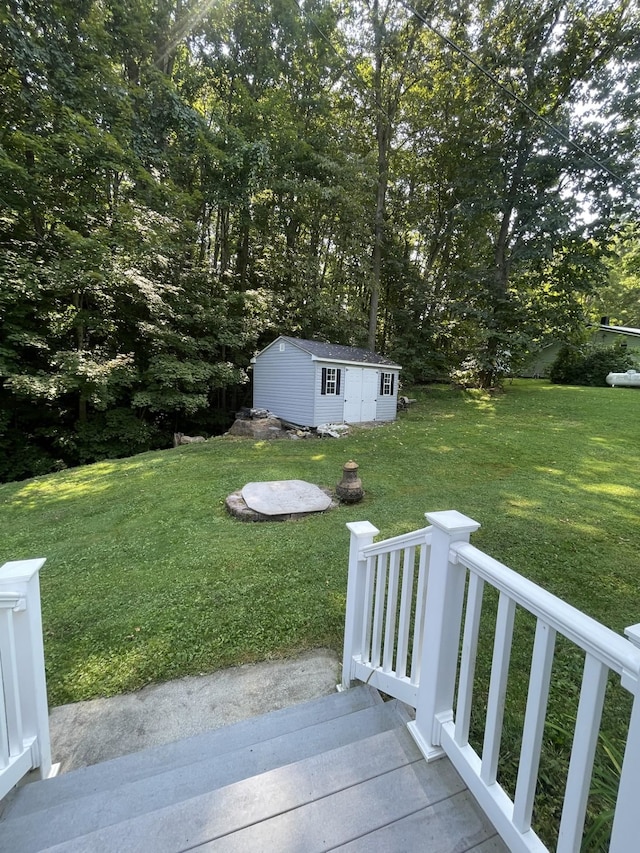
(332, 430)
(260, 429)
(238, 508)
(179, 438)
(285, 497)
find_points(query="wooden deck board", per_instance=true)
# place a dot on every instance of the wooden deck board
(355, 782)
(395, 811)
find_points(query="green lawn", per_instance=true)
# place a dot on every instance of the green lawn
(147, 577)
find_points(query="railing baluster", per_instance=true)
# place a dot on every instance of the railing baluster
(537, 697)
(468, 659)
(4, 730)
(624, 835)
(392, 608)
(442, 556)
(418, 630)
(378, 613)
(497, 689)
(585, 740)
(368, 613)
(25, 743)
(408, 571)
(10, 683)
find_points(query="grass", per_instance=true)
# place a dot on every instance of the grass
(147, 577)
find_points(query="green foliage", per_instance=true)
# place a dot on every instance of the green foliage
(619, 297)
(114, 433)
(589, 364)
(180, 185)
(604, 784)
(604, 791)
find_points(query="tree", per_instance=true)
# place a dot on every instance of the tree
(544, 53)
(618, 298)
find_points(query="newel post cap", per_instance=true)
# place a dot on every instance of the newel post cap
(362, 528)
(452, 521)
(21, 571)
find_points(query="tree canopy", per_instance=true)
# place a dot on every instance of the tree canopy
(181, 181)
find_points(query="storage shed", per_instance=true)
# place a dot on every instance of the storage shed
(309, 383)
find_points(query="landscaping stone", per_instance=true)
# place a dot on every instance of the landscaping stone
(262, 429)
(278, 500)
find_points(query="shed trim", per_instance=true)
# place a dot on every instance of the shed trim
(388, 367)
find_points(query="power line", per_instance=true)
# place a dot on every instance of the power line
(496, 82)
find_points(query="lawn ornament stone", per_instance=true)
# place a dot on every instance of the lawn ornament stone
(349, 489)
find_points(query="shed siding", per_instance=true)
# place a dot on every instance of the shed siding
(387, 405)
(329, 408)
(287, 380)
(283, 383)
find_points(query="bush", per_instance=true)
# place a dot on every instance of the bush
(112, 435)
(589, 364)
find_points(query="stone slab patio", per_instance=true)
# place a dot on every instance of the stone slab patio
(285, 497)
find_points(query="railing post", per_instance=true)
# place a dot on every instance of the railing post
(441, 638)
(362, 534)
(625, 822)
(22, 577)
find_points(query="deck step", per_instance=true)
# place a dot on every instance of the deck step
(250, 810)
(118, 772)
(340, 772)
(377, 794)
(77, 808)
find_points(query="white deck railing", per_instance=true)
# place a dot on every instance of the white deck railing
(24, 723)
(421, 596)
(385, 605)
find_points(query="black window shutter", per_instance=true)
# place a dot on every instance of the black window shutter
(338, 375)
(393, 379)
(381, 383)
(323, 389)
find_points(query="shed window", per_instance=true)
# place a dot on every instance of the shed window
(387, 383)
(330, 380)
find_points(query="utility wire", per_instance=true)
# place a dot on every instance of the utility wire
(496, 82)
(485, 72)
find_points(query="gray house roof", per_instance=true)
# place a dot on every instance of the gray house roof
(337, 352)
(620, 330)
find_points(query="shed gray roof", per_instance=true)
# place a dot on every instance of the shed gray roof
(337, 352)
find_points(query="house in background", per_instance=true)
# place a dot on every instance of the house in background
(606, 334)
(602, 333)
(309, 383)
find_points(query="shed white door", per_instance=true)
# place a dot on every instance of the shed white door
(360, 391)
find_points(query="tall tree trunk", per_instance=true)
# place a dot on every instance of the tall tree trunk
(383, 136)
(499, 318)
